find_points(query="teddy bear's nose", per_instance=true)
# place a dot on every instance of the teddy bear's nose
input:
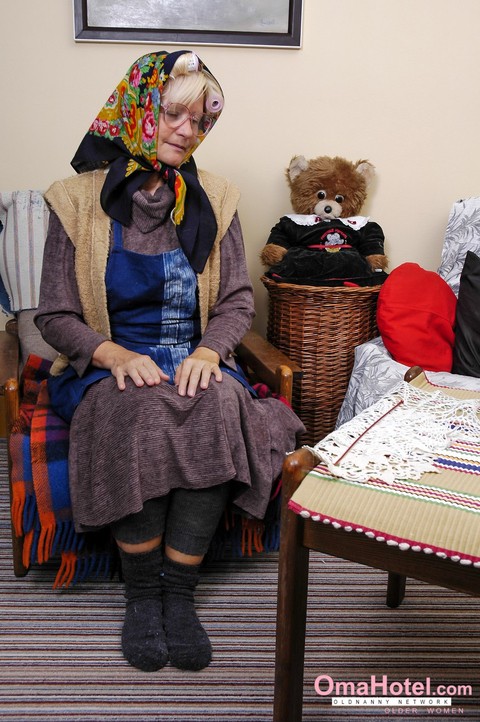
(328, 209)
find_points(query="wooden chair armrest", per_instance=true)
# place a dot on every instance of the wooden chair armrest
(9, 356)
(9, 388)
(269, 364)
(412, 373)
(295, 467)
(11, 327)
(12, 405)
(9, 371)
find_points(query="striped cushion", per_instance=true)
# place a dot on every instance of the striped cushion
(24, 216)
(437, 514)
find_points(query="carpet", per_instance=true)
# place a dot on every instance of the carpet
(60, 658)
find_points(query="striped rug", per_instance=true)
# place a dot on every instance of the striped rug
(60, 659)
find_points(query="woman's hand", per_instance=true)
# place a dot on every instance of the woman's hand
(196, 370)
(122, 363)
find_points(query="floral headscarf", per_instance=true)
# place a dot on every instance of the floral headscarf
(123, 136)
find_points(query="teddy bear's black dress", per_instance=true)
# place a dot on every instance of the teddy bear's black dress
(327, 252)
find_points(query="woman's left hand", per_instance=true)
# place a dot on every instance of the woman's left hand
(196, 370)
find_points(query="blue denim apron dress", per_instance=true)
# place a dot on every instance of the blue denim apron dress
(152, 305)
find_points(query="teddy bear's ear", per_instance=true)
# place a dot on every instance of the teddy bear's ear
(297, 165)
(366, 169)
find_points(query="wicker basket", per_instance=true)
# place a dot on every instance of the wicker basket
(319, 327)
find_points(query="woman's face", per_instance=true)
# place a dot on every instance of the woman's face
(173, 144)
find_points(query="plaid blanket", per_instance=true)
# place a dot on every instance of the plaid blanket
(41, 506)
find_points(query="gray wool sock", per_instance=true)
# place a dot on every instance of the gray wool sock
(143, 637)
(188, 643)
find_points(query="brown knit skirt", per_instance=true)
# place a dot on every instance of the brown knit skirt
(138, 444)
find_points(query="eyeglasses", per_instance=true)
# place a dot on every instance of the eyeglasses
(176, 114)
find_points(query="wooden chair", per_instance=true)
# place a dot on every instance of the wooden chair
(259, 358)
(300, 535)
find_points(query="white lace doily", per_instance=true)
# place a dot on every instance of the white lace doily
(399, 436)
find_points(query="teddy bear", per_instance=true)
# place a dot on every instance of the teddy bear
(326, 241)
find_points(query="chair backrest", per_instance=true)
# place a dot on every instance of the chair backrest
(24, 217)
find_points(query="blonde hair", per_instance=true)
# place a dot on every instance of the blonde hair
(187, 83)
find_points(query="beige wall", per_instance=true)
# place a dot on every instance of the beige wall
(394, 81)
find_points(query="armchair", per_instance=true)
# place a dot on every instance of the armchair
(262, 362)
(24, 220)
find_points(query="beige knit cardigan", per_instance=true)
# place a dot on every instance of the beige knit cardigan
(76, 201)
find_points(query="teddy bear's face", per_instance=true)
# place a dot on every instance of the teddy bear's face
(328, 188)
(328, 207)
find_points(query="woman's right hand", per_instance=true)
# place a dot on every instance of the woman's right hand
(122, 363)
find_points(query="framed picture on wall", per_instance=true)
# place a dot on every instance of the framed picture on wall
(258, 23)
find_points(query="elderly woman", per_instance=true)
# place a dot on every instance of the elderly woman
(145, 294)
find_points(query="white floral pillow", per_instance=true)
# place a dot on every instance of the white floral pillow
(462, 235)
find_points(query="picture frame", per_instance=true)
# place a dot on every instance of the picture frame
(262, 23)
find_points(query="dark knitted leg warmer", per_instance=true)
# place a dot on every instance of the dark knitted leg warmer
(188, 644)
(143, 637)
